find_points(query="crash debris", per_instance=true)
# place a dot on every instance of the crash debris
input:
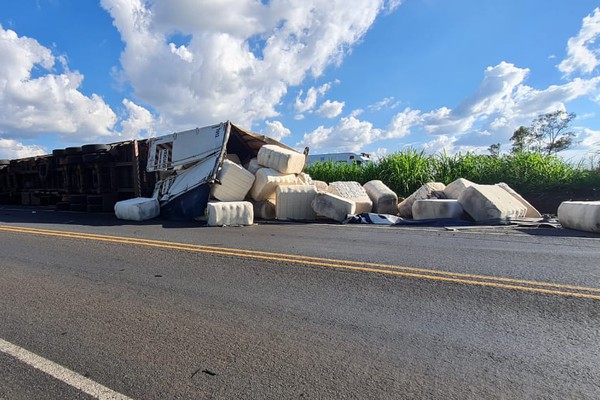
(238, 176)
(225, 175)
(580, 215)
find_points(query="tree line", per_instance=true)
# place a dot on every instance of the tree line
(548, 134)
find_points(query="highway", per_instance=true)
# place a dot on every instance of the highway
(93, 307)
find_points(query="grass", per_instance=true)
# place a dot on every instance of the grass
(406, 171)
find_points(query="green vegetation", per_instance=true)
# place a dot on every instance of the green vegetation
(405, 172)
(549, 133)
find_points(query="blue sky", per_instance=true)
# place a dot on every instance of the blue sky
(335, 75)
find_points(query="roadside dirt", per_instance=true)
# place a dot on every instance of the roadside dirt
(548, 202)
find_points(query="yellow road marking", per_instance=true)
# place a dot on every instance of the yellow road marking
(420, 273)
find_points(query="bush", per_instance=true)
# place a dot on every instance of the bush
(404, 172)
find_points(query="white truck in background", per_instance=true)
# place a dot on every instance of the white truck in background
(346, 158)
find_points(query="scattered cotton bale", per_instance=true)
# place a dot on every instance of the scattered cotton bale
(137, 209)
(437, 208)
(229, 213)
(321, 186)
(295, 202)
(455, 188)
(281, 159)
(352, 191)
(385, 201)
(580, 215)
(267, 180)
(253, 165)
(264, 209)
(234, 182)
(490, 202)
(424, 192)
(531, 211)
(332, 206)
(304, 179)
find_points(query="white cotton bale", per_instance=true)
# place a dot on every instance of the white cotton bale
(490, 202)
(264, 209)
(424, 192)
(531, 211)
(137, 209)
(234, 182)
(455, 188)
(321, 186)
(229, 213)
(267, 180)
(437, 208)
(352, 191)
(253, 165)
(580, 215)
(281, 159)
(333, 206)
(385, 201)
(295, 202)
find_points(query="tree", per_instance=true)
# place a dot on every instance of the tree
(552, 131)
(494, 149)
(522, 139)
(549, 133)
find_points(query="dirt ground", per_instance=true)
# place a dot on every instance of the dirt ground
(548, 202)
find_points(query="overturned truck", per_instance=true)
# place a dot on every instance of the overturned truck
(178, 170)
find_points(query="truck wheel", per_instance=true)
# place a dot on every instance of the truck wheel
(73, 160)
(95, 148)
(71, 151)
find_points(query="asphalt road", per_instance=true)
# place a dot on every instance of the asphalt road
(164, 310)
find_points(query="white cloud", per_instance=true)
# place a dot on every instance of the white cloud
(387, 102)
(299, 117)
(583, 53)
(10, 149)
(182, 52)
(310, 100)
(491, 114)
(391, 5)
(246, 54)
(350, 134)
(139, 123)
(276, 130)
(591, 138)
(403, 122)
(331, 109)
(49, 102)
(357, 112)
(442, 143)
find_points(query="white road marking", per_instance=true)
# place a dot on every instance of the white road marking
(61, 373)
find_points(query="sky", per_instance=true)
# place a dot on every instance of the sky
(376, 76)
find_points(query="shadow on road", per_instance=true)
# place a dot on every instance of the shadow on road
(41, 215)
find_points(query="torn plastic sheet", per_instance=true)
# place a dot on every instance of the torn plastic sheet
(387, 219)
(450, 223)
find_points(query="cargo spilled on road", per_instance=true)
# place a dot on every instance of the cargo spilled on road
(223, 175)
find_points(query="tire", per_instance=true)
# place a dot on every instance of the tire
(72, 151)
(43, 168)
(95, 148)
(59, 152)
(95, 157)
(73, 160)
